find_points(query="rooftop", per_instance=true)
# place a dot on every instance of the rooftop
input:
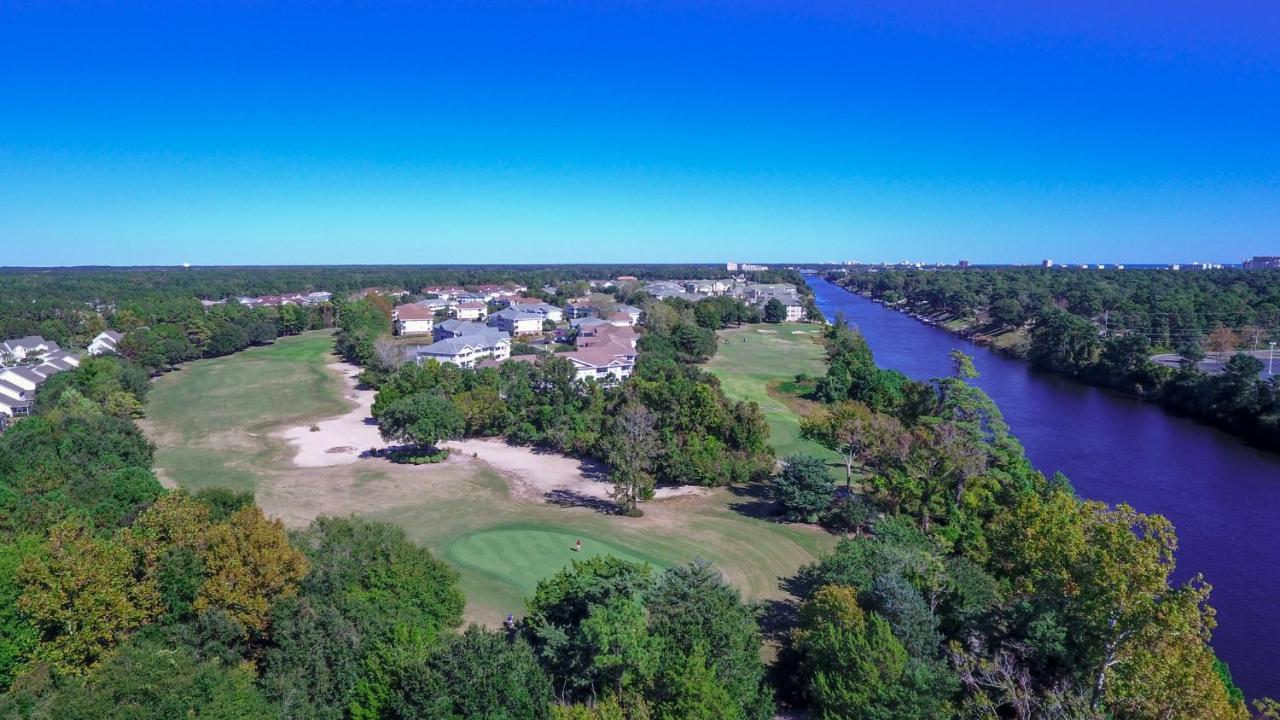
(456, 345)
(413, 311)
(516, 315)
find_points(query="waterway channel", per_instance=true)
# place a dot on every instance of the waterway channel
(1222, 496)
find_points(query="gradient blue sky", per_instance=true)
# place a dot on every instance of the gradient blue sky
(243, 133)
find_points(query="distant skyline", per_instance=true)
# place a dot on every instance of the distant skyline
(476, 132)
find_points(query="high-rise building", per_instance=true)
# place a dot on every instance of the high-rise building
(1262, 262)
(1046, 263)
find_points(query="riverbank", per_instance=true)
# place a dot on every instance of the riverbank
(1220, 493)
(1199, 396)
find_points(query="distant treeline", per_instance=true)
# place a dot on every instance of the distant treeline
(1168, 308)
(1103, 327)
(72, 305)
(30, 296)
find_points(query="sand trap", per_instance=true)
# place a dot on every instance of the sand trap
(340, 440)
(767, 332)
(541, 475)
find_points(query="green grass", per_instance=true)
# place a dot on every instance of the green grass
(501, 546)
(520, 557)
(213, 423)
(749, 362)
(208, 417)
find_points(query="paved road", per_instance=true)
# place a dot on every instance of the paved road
(1214, 362)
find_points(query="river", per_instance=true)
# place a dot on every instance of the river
(1222, 496)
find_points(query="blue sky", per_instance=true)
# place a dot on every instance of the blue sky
(245, 133)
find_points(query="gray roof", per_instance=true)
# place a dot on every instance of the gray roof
(516, 315)
(8, 399)
(57, 364)
(464, 327)
(541, 308)
(14, 403)
(24, 371)
(587, 322)
(455, 345)
(29, 342)
(434, 303)
(113, 336)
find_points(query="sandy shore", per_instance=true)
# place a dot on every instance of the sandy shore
(340, 440)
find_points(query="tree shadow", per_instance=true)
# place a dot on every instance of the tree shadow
(802, 584)
(569, 498)
(591, 468)
(594, 470)
(778, 617)
(757, 502)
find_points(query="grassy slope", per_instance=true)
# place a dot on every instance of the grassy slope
(212, 421)
(749, 362)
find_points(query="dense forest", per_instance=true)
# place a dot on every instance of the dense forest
(1103, 327)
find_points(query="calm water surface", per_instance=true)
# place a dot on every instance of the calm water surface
(1221, 495)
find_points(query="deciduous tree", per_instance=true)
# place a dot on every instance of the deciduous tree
(423, 420)
(85, 595)
(632, 447)
(249, 565)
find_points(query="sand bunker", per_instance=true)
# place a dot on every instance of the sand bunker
(339, 440)
(540, 474)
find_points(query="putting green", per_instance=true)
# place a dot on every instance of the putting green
(520, 557)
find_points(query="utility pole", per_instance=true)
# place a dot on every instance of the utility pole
(1271, 364)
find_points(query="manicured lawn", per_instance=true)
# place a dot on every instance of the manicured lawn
(750, 362)
(520, 557)
(214, 424)
(209, 418)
